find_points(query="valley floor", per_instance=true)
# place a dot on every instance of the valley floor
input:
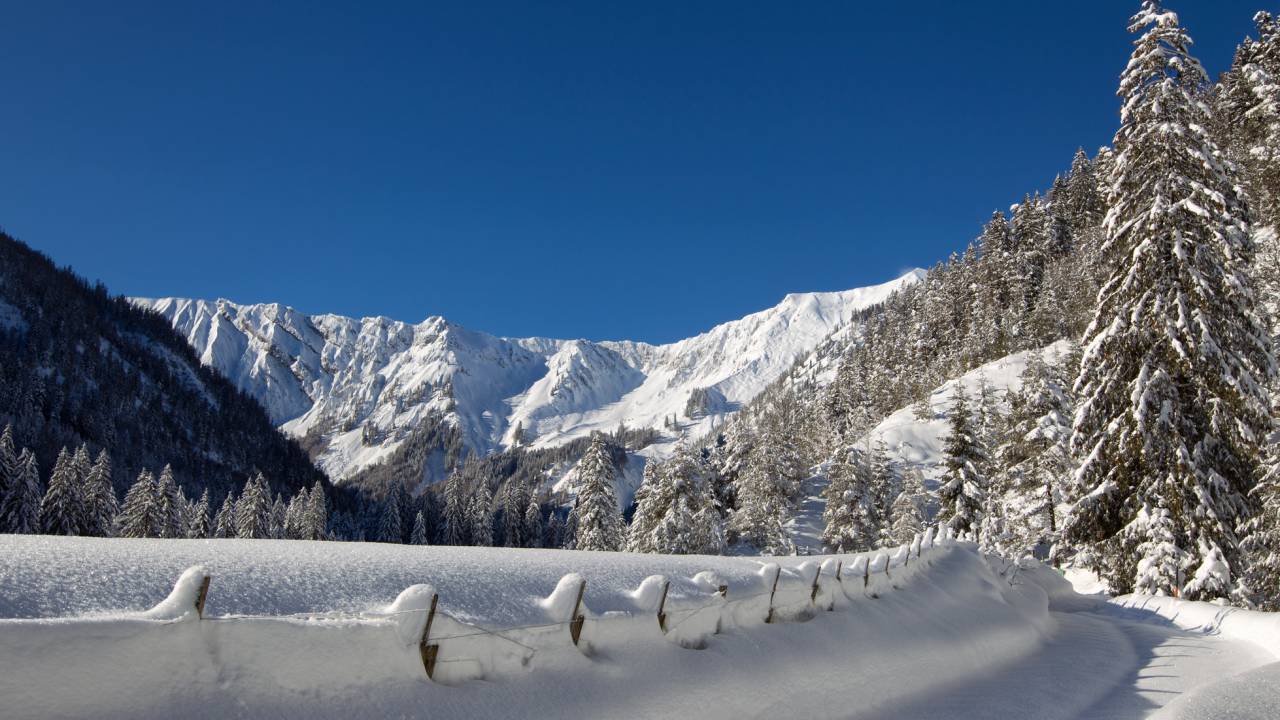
(951, 635)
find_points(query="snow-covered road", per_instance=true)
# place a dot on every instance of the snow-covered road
(1099, 662)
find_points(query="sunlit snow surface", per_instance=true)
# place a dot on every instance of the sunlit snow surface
(953, 635)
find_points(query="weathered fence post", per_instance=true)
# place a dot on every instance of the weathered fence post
(866, 573)
(769, 618)
(662, 607)
(839, 585)
(426, 649)
(202, 596)
(577, 619)
(813, 592)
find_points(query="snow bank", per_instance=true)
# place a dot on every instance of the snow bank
(1261, 629)
(785, 628)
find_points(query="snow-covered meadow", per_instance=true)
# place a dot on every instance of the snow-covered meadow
(309, 629)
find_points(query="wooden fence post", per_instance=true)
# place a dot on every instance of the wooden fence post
(575, 624)
(769, 618)
(813, 592)
(839, 585)
(202, 596)
(662, 607)
(866, 573)
(428, 650)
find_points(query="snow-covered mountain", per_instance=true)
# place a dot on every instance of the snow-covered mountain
(355, 389)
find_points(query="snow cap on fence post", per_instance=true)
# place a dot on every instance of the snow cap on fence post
(928, 538)
(775, 570)
(186, 600)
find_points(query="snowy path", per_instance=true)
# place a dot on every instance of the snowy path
(1099, 662)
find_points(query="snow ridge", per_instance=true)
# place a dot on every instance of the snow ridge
(355, 389)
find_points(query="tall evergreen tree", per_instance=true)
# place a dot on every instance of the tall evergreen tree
(847, 518)
(480, 511)
(1171, 384)
(457, 522)
(389, 527)
(910, 509)
(315, 520)
(9, 470)
(171, 504)
(60, 510)
(764, 498)
(137, 516)
(253, 510)
(1034, 461)
(224, 523)
(597, 524)
(515, 499)
(20, 508)
(964, 488)
(98, 498)
(198, 520)
(533, 523)
(419, 534)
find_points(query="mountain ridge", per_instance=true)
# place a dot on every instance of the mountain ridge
(355, 388)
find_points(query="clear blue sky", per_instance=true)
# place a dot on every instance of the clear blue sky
(604, 170)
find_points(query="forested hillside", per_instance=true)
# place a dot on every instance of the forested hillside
(79, 367)
(1141, 453)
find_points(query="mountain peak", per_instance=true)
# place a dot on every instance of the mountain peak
(357, 389)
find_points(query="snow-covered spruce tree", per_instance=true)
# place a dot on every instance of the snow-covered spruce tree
(1034, 460)
(278, 512)
(8, 469)
(963, 491)
(253, 510)
(553, 537)
(848, 524)
(457, 523)
(98, 499)
(224, 523)
(1247, 115)
(20, 509)
(295, 515)
(198, 520)
(533, 523)
(515, 498)
(883, 484)
(671, 515)
(137, 516)
(764, 498)
(1260, 584)
(910, 509)
(419, 534)
(480, 512)
(60, 510)
(597, 524)
(1171, 401)
(389, 527)
(171, 504)
(648, 508)
(315, 519)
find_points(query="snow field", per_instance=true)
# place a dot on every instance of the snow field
(130, 663)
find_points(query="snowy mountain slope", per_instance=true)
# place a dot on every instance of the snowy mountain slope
(918, 444)
(356, 389)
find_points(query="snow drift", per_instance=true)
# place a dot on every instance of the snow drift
(295, 639)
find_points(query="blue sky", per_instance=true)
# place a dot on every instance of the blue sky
(600, 170)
